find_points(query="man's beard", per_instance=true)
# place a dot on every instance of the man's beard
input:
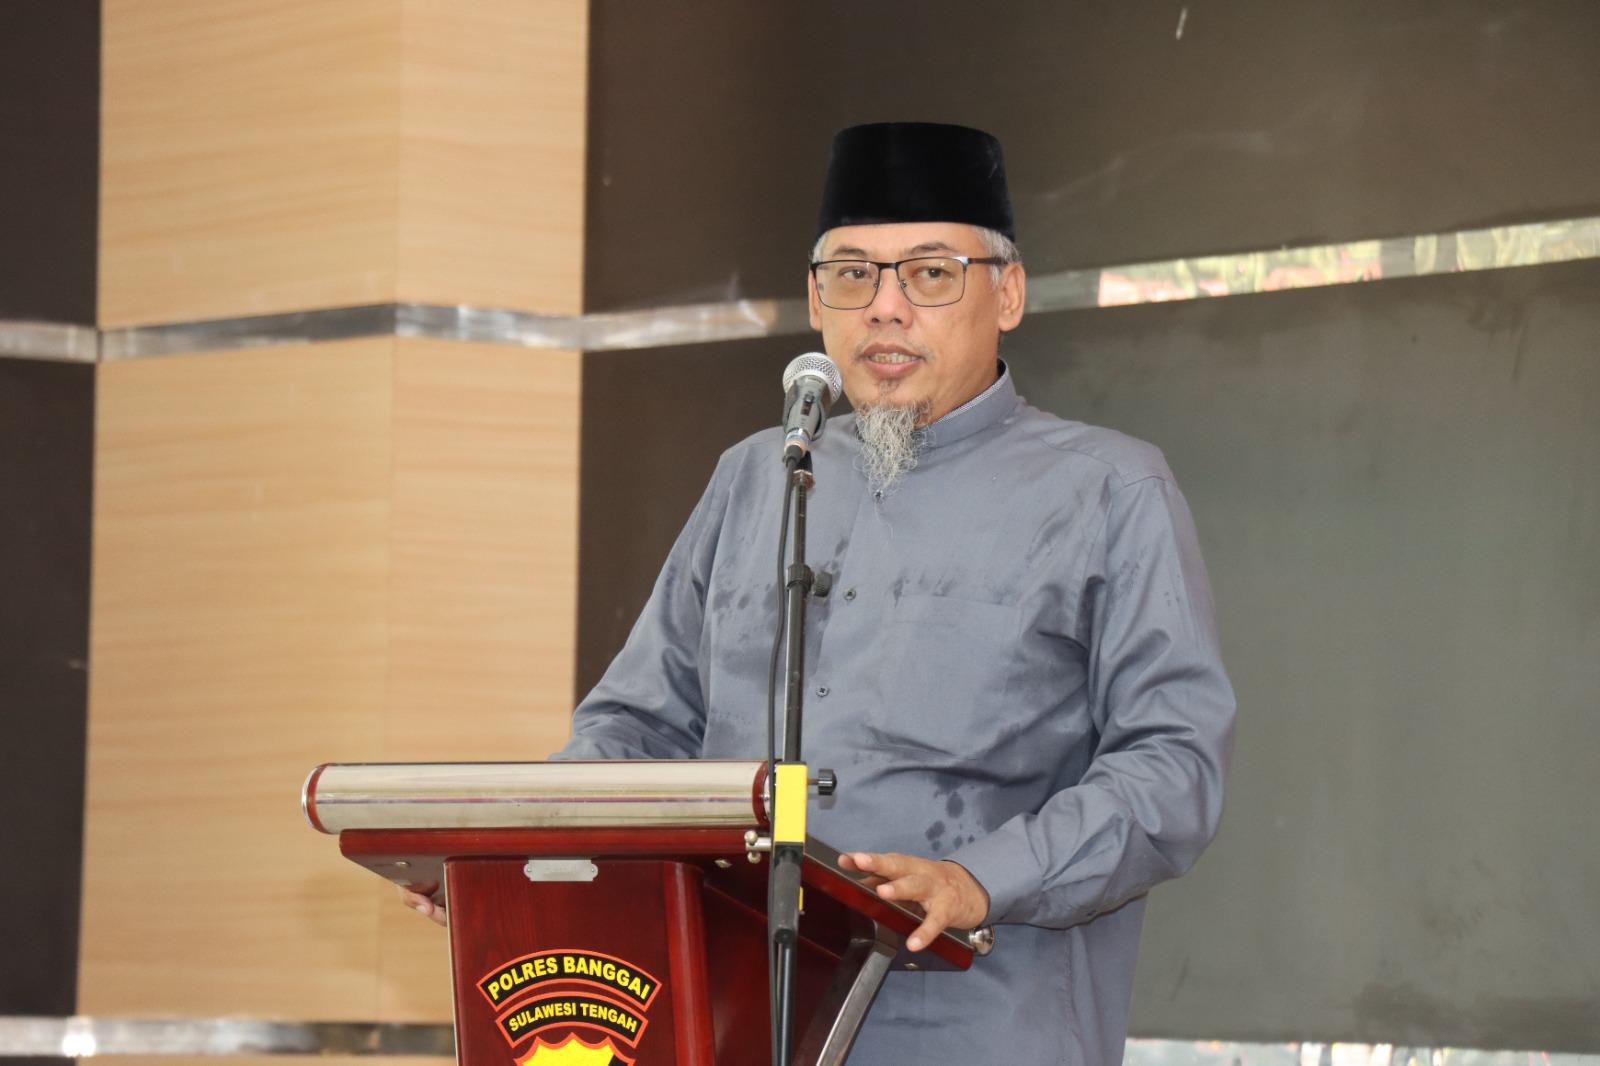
(890, 442)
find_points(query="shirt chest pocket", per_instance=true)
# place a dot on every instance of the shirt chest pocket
(943, 672)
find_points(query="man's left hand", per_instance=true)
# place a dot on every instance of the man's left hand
(948, 894)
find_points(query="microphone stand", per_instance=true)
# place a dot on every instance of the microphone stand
(789, 790)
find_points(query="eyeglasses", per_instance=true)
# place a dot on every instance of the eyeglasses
(927, 281)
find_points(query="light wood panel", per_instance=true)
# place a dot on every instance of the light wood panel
(265, 156)
(492, 153)
(359, 550)
(239, 636)
(249, 157)
(484, 585)
(354, 551)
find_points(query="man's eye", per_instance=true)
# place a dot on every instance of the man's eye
(852, 274)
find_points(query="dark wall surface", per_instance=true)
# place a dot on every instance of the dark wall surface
(1396, 493)
(49, 207)
(1394, 487)
(49, 159)
(47, 438)
(1393, 481)
(696, 401)
(1267, 122)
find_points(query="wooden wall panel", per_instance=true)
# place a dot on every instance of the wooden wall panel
(484, 583)
(249, 157)
(264, 156)
(352, 551)
(492, 153)
(241, 573)
(356, 550)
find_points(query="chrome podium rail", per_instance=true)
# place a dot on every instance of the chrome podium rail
(703, 793)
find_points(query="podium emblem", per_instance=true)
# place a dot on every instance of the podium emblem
(574, 1051)
(548, 997)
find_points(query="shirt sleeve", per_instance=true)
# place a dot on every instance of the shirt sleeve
(1151, 798)
(649, 704)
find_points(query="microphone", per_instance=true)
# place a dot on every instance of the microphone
(810, 385)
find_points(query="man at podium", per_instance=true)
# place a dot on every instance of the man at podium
(1015, 674)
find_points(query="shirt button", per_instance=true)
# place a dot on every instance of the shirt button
(849, 594)
(822, 690)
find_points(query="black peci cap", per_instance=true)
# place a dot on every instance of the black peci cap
(915, 172)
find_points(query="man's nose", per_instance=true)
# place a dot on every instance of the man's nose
(889, 303)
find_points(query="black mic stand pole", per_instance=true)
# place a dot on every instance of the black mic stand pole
(789, 792)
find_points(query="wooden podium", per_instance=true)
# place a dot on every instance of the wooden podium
(615, 912)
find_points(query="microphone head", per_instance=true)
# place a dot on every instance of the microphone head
(814, 364)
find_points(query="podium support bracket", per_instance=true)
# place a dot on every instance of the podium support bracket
(844, 1006)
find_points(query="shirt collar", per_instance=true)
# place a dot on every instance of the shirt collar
(978, 413)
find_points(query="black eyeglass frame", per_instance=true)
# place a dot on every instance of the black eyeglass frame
(965, 261)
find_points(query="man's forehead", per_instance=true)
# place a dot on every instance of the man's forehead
(898, 240)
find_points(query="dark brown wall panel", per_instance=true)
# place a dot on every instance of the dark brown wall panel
(1266, 122)
(696, 401)
(1396, 494)
(49, 158)
(47, 439)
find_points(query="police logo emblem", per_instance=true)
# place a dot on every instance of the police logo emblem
(574, 1051)
(579, 1008)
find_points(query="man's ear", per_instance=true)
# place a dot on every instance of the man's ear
(1013, 296)
(812, 302)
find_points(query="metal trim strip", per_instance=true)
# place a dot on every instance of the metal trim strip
(82, 1037)
(28, 339)
(1165, 281)
(1313, 1053)
(1316, 266)
(253, 331)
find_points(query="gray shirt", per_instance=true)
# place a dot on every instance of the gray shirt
(1017, 669)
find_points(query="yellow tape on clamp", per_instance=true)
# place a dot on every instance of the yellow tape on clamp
(789, 804)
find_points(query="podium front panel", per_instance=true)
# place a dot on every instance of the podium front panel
(552, 973)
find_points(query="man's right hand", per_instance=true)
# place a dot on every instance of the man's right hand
(422, 903)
